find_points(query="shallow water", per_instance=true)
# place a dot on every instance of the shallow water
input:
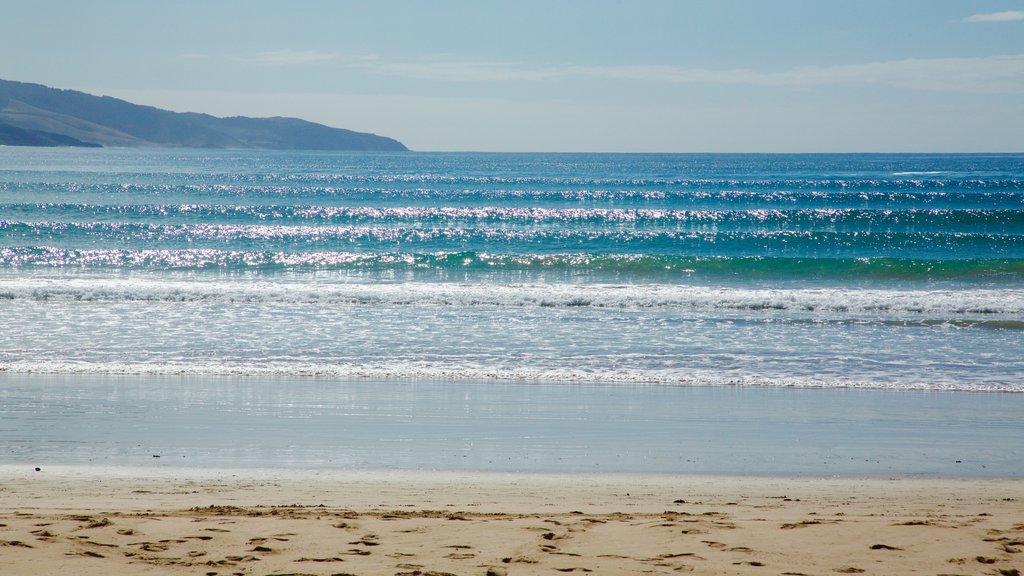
(211, 422)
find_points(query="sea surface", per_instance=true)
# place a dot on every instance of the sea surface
(740, 314)
(888, 271)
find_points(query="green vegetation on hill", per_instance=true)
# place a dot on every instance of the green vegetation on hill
(36, 115)
(14, 136)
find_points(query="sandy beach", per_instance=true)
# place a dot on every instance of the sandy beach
(82, 520)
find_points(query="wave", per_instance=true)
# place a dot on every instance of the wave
(448, 265)
(994, 307)
(811, 244)
(929, 219)
(414, 371)
(142, 232)
(699, 194)
(489, 181)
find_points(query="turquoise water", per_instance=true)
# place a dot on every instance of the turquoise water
(824, 271)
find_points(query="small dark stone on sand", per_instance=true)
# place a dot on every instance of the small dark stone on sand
(156, 455)
(38, 469)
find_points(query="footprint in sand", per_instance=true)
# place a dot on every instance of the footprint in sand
(91, 523)
(329, 559)
(518, 560)
(94, 543)
(802, 524)
(400, 555)
(86, 553)
(44, 535)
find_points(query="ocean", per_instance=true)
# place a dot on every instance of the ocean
(885, 272)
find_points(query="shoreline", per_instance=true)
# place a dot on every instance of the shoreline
(326, 474)
(120, 520)
(336, 424)
(309, 423)
(444, 378)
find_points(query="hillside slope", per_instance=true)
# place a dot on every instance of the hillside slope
(72, 118)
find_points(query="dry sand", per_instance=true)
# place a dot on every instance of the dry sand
(88, 521)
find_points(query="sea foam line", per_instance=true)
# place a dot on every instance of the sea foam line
(405, 372)
(983, 304)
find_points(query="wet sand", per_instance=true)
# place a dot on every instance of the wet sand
(312, 423)
(119, 520)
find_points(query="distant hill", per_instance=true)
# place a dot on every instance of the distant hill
(36, 115)
(14, 136)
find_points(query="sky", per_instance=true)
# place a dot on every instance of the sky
(557, 75)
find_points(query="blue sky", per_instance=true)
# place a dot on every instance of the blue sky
(558, 75)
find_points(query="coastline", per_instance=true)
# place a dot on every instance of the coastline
(226, 362)
(120, 520)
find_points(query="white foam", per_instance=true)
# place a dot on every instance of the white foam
(413, 371)
(957, 304)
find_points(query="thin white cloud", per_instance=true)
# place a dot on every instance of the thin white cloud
(1007, 16)
(993, 74)
(191, 56)
(970, 75)
(287, 57)
(453, 69)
